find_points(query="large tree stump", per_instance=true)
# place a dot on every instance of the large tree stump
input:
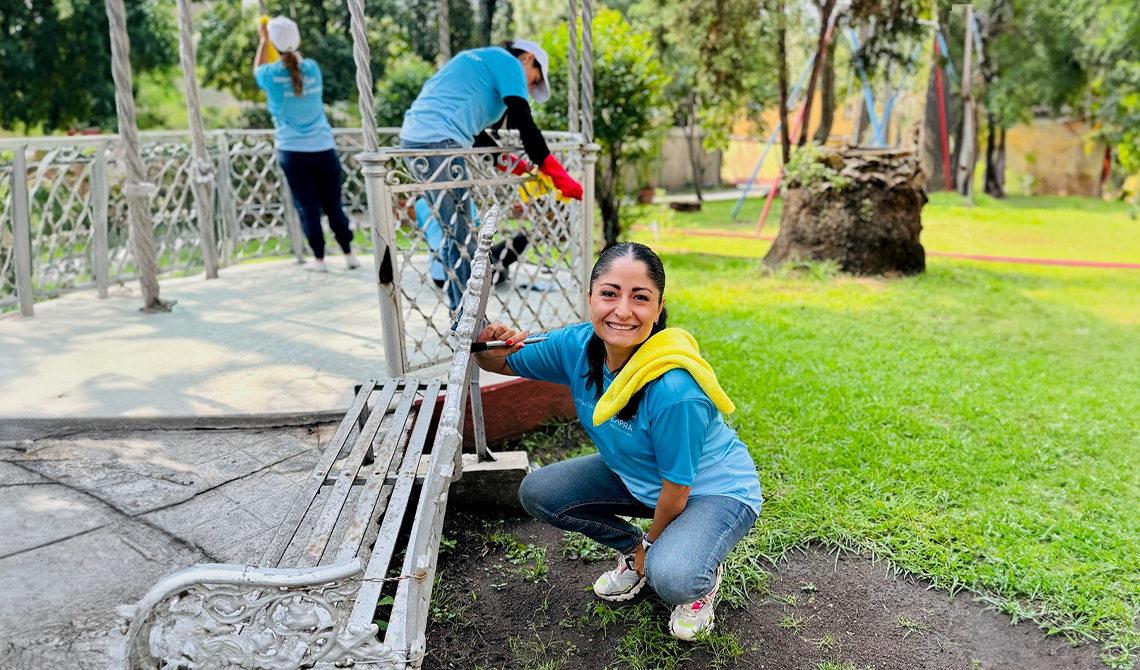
(859, 207)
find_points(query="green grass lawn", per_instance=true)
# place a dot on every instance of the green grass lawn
(1038, 227)
(978, 425)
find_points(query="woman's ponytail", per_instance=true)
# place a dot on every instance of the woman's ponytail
(293, 62)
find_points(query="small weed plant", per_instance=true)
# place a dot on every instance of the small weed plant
(808, 167)
(576, 546)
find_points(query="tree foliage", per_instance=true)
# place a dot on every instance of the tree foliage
(720, 56)
(406, 75)
(629, 105)
(55, 59)
(228, 44)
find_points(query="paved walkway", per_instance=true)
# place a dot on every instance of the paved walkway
(92, 522)
(265, 338)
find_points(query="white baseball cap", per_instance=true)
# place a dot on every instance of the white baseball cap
(283, 33)
(541, 92)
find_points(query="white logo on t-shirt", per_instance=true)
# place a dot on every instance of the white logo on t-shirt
(623, 427)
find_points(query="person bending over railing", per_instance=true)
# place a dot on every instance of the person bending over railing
(473, 91)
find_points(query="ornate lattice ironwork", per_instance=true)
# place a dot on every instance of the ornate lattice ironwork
(7, 238)
(253, 218)
(435, 195)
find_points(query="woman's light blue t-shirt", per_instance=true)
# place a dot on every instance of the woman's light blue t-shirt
(677, 433)
(465, 97)
(301, 122)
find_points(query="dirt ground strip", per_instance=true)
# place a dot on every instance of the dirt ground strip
(818, 611)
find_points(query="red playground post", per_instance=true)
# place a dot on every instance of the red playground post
(942, 116)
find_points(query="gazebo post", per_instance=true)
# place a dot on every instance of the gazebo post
(587, 70)
(574, 113)
(138, 190)
(379, 215)
(202, 173)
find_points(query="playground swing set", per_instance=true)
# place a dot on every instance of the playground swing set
(878, 124)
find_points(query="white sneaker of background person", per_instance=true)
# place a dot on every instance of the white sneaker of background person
(621, 583)
(350, 262)
(315, 265)
(689, 621)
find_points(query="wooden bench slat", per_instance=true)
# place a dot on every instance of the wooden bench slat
(323, 528)
(300, 507)
(397, 505)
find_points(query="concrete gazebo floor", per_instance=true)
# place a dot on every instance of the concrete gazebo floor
(264, 339)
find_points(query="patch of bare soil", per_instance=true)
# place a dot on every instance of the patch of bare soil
(494, 609)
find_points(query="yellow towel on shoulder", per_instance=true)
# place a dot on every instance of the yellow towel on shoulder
(669, 349)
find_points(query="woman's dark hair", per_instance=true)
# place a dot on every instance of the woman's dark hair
(596, 348)
(291, 61)
(509, 45)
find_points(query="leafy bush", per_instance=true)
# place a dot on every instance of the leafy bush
(398, 90)
(629, 103)
(256, 117)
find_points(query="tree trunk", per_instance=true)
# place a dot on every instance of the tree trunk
(827, 99)
(606, 184)
(932, 137)
(863, 117)
(690, 132)
(993, 179)
(869, 224)
(489, 19)
(782, 60)
(825, 15)
(1000, 164)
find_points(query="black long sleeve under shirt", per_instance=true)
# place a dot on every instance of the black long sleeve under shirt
(518, 117)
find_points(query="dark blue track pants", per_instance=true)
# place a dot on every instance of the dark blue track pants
(314, 179)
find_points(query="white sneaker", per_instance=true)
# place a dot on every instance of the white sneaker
(315, 265)
(687, 621)
(621, 583)
(350, 262)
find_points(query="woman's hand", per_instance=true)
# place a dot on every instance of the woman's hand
(639, 560)
(497, 331)
(263, 31)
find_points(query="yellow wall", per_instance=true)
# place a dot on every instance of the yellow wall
(1045, 157)
(747, 145)
(1048, 157)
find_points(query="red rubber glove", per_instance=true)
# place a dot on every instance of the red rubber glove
(562, 181)
(519, 167)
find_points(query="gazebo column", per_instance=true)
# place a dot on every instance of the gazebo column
(138, 190)
(202, 173)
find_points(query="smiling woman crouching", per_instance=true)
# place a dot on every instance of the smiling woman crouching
(653, 408)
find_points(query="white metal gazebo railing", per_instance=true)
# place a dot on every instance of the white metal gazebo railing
(551, 238)
(63, 208)
(65, 199)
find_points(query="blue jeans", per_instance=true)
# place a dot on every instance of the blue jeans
(452, 206)
(585, 496)
(314, 179)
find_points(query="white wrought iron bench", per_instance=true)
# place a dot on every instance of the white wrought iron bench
(311, 600)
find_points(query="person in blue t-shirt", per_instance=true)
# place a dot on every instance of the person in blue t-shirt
(667, 455)
(295, 93)
(475, 90)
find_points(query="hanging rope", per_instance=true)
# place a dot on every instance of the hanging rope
(588, 70)
(201, 168)
(138, 191)
(363, 58)
(573, 113)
